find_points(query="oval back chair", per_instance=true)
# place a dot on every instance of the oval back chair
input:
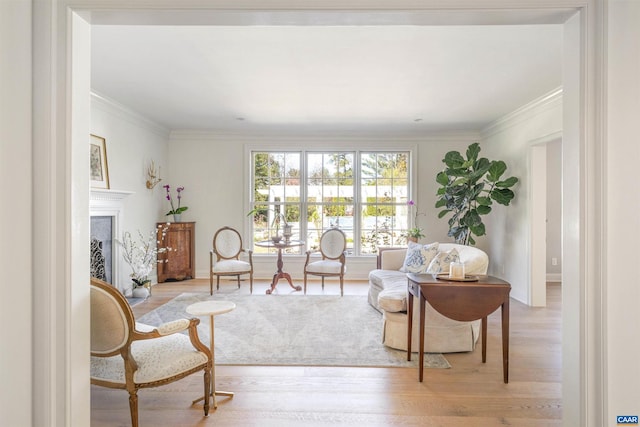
(227, 247)
(129, 355)
(333, 244)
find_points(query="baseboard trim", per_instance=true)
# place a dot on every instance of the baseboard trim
(554, 277)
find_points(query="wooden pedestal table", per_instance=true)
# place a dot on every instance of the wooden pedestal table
(211, 309)
(280, 274)
(460, 300)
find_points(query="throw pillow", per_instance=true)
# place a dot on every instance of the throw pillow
(440, 263)
(418, 257)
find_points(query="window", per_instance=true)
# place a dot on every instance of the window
(363, 193)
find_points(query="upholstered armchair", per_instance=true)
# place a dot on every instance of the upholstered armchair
(333, 244)
(129, 355)
(227, 247)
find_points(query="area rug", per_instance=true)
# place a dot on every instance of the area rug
(294, 330)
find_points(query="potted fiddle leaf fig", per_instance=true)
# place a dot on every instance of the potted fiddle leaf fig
(468, 188)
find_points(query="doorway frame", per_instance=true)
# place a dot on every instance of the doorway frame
(60, 306)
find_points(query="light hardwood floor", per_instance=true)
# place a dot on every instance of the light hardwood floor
(469, 394)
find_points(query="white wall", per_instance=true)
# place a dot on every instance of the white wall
(16, 313)
(554, 209)
(622, 202)
(214, 171)
(508, 227)
(132, 141)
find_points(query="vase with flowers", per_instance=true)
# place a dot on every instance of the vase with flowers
(142, 257)
(414, 233)
(176, 212)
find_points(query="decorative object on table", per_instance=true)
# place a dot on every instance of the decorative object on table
(468, 189)
(414, 233)
(176, 212)
(153, 175)
(278, 220)
(98, 165)
(287, 231)
(120, 346)
(227, 247)
(142, 257)
(333, 246)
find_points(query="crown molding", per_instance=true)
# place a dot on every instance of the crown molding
(123, 112)
(535, 107)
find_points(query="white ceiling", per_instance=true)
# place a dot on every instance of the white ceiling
(405, 80)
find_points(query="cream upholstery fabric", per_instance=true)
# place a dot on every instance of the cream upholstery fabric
(157, 359)
(388, 294)
(231, 265)
(325, 266)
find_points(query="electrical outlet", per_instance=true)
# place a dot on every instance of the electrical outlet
(554, 261)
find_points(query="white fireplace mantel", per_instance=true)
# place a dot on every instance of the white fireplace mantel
(110, 203)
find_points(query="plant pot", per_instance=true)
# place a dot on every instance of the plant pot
(140, 292)
(276, 239)
(177, 217)
(412, 239)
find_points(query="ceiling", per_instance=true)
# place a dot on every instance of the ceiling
(403, 80)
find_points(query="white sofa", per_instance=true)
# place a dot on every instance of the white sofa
(388, 294)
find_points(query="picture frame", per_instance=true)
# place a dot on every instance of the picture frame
(99, 170)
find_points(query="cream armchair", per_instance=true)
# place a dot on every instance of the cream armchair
(130, 355)
(227, 247)
(333, 244)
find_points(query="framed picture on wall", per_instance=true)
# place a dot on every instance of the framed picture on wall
(99, 168)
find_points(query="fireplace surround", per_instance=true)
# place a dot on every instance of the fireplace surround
(106, 209)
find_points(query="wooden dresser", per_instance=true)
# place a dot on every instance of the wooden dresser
(178, 263)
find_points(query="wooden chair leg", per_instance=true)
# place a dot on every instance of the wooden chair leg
(238, 281)
(133, 407)
(218, 283)
(251, 282)
(210, 284)
(305, 283)
(341, 286)
(323, 283)
(207, 390)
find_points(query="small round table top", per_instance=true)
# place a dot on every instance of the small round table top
(210, 308)
(280, 244)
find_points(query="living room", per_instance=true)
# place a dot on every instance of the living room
(214, 165)
(603, 385)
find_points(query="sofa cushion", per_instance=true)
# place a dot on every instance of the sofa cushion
(394, 299)
(440, 263)
(386, 279)
(418, 257)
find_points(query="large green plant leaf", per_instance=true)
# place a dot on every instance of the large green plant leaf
(472, 151)
(484, 201)
(453, 160)
(478, 229)
(497, 168)
(483, 209)
(509, 182)
(442, 178)
(502, 195)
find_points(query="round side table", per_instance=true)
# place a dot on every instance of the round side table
(211, 309)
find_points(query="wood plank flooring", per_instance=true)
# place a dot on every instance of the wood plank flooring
(469, 394)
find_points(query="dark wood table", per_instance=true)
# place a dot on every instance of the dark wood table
(463, 301)
(280, 274)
